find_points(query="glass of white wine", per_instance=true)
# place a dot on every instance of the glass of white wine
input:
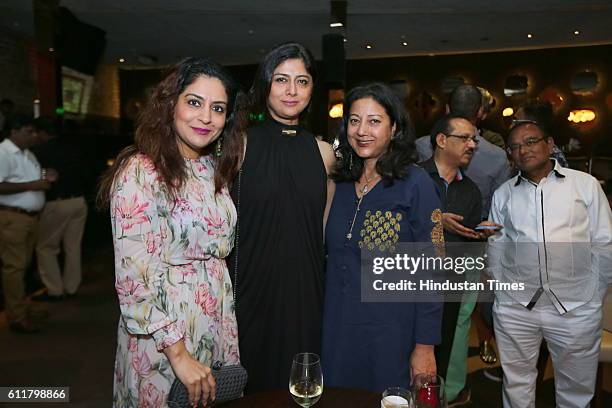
(306, 379)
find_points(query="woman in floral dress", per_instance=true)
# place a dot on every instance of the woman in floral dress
(173, 224)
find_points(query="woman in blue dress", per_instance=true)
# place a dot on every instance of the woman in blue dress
(373, 346)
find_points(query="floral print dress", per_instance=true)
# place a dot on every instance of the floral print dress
(171, 277)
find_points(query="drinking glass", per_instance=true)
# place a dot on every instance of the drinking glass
(428, 391)
(396, 397)
(306, 379)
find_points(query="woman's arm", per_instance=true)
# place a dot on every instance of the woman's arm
(329, 159)
(139, 271)
(426, 221)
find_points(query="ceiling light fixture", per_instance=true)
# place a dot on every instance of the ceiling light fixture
(576, 32)
(368, 46)
(405, 44)
(529, 36)
(121, 59)
(51, 49)
(337, 14)
(508, 112)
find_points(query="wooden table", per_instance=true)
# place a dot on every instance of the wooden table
(331, 398)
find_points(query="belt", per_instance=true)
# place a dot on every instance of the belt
(19, 210)
(66, 197)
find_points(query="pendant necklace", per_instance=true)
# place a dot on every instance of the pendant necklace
(364, 191)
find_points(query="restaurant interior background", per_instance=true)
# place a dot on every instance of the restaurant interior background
(95, 61)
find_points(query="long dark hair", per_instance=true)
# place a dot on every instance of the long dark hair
(260, 90)
(402, 151)
(156, 135)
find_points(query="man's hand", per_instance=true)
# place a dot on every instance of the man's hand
(51, 175)
(452, 223)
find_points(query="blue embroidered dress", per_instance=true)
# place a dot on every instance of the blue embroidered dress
(368, 345)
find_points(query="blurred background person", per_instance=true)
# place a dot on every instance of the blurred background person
(62, 221)
(22, 197)
(489, 135)
(7, 110)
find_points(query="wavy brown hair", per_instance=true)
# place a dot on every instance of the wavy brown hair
(156, 135)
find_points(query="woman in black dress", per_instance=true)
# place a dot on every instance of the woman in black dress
(282, 194)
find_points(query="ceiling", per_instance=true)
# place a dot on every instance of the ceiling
(241, 31)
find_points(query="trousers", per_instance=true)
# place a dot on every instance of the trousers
(17, 239)
(573, 341)
(62, 223)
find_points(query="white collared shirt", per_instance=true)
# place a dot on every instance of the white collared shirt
(20, 166)
(556, 236)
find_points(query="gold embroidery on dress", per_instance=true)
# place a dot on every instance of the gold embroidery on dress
(437, 232)
(380, 230)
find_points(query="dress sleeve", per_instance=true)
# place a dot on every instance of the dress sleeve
(139, 270)
(426, 220)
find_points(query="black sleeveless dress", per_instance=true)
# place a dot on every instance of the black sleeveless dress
(280, 274)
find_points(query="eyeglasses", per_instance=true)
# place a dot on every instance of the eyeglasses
(521, 121)
(529, 143)
(465, 139)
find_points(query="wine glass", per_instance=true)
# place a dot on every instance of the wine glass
(428, 391)
(306, 379)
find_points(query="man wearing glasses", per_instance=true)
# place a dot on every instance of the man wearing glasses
(556, 241)
(453, 139)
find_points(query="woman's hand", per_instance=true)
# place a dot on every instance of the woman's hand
(194, 375)
(422, 360)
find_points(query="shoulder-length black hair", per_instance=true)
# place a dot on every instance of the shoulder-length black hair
(260, 90)
(402, 151)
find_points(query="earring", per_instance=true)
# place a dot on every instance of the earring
(219, 147)
(351, 160)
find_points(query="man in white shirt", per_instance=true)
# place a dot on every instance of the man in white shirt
(22, 185)
(556, 244)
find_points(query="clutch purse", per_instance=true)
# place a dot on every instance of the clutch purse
(230, 379)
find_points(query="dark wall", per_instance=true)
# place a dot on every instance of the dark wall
(544, 68)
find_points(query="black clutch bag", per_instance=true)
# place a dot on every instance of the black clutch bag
(230, 379)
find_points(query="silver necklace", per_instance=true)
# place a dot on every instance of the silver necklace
(364, 191)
